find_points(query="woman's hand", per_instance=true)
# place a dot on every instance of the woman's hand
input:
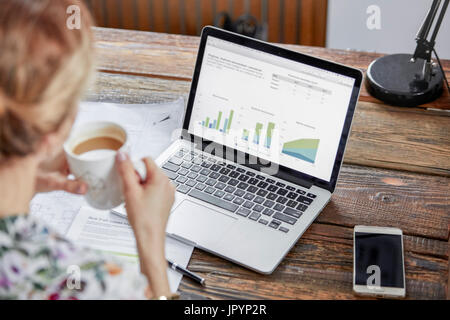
(53, 175)
(148, 205)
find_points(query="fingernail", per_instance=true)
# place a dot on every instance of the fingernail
(121, 156)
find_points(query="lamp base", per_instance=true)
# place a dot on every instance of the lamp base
(394, 80)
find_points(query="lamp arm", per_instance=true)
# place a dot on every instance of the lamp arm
(425, 47)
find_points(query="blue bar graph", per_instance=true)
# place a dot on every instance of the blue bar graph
(225, 125)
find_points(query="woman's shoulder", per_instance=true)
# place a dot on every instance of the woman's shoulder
(37, 262)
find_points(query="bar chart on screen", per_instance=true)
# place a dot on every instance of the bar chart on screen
(259, 133)
(217, 124)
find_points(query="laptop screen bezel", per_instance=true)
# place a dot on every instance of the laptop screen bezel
(284, 172)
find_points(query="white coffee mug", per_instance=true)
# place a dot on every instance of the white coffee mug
(98, 168)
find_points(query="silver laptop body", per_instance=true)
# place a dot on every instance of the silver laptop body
(275, 209)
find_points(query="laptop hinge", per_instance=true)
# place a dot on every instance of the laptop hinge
(298, 181)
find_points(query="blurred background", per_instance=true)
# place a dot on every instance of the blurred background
(387, 26)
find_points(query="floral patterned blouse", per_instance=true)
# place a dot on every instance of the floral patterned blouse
(37, 263)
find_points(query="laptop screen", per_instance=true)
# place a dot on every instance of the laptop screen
(271, 107)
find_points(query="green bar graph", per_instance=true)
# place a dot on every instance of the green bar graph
(245, 134)
(218, 120)
(258, 129)
(229, 120)
(216, 123)
(270, 128)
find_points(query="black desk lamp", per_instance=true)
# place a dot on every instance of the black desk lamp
(410, 80)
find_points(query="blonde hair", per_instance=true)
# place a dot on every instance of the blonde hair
(44, 67)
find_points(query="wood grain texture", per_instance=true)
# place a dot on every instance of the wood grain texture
(417, 203)
(290, 21)
(256, 9)
(113, 17)
(314, 22)
(146, 53)
(143, 14)
(320, 265)
(390, 137)
(129, 9)
(96, 6)
(273, 16)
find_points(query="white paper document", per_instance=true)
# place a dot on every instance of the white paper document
(150, 129)
(102, 230)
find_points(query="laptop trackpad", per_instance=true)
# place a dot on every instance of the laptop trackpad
(199, 224)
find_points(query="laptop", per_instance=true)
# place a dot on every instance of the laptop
(262, 144)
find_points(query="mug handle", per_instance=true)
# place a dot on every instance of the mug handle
(140, 168)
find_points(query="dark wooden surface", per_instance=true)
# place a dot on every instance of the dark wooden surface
(396, 173)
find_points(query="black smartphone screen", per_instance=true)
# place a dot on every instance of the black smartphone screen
(381, 253)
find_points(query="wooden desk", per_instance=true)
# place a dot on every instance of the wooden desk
(396, 173)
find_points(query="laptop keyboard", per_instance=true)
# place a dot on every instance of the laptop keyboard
(236, 189)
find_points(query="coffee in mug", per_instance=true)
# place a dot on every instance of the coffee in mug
(91, 153)
(97, 146)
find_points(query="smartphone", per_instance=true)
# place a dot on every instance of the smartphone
(378, 263)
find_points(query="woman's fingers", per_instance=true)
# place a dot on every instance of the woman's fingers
(48, 182)
(130, 180)
(152, 169)
(73, 186)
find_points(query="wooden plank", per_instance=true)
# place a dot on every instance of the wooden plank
(313, 22)
(391, 137)
(290, 21)
(273, 21)
(146, 56)
(97, 12)
(143, 13)
(206, 7)
(128, 15)
(320, 17)
(418, 204)
(174, 16)
(238, 8)
(134, 89)
(113, 14)
(255, 9)
(157, 17)
(221, 8)
(190, 17)
(222, 5)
